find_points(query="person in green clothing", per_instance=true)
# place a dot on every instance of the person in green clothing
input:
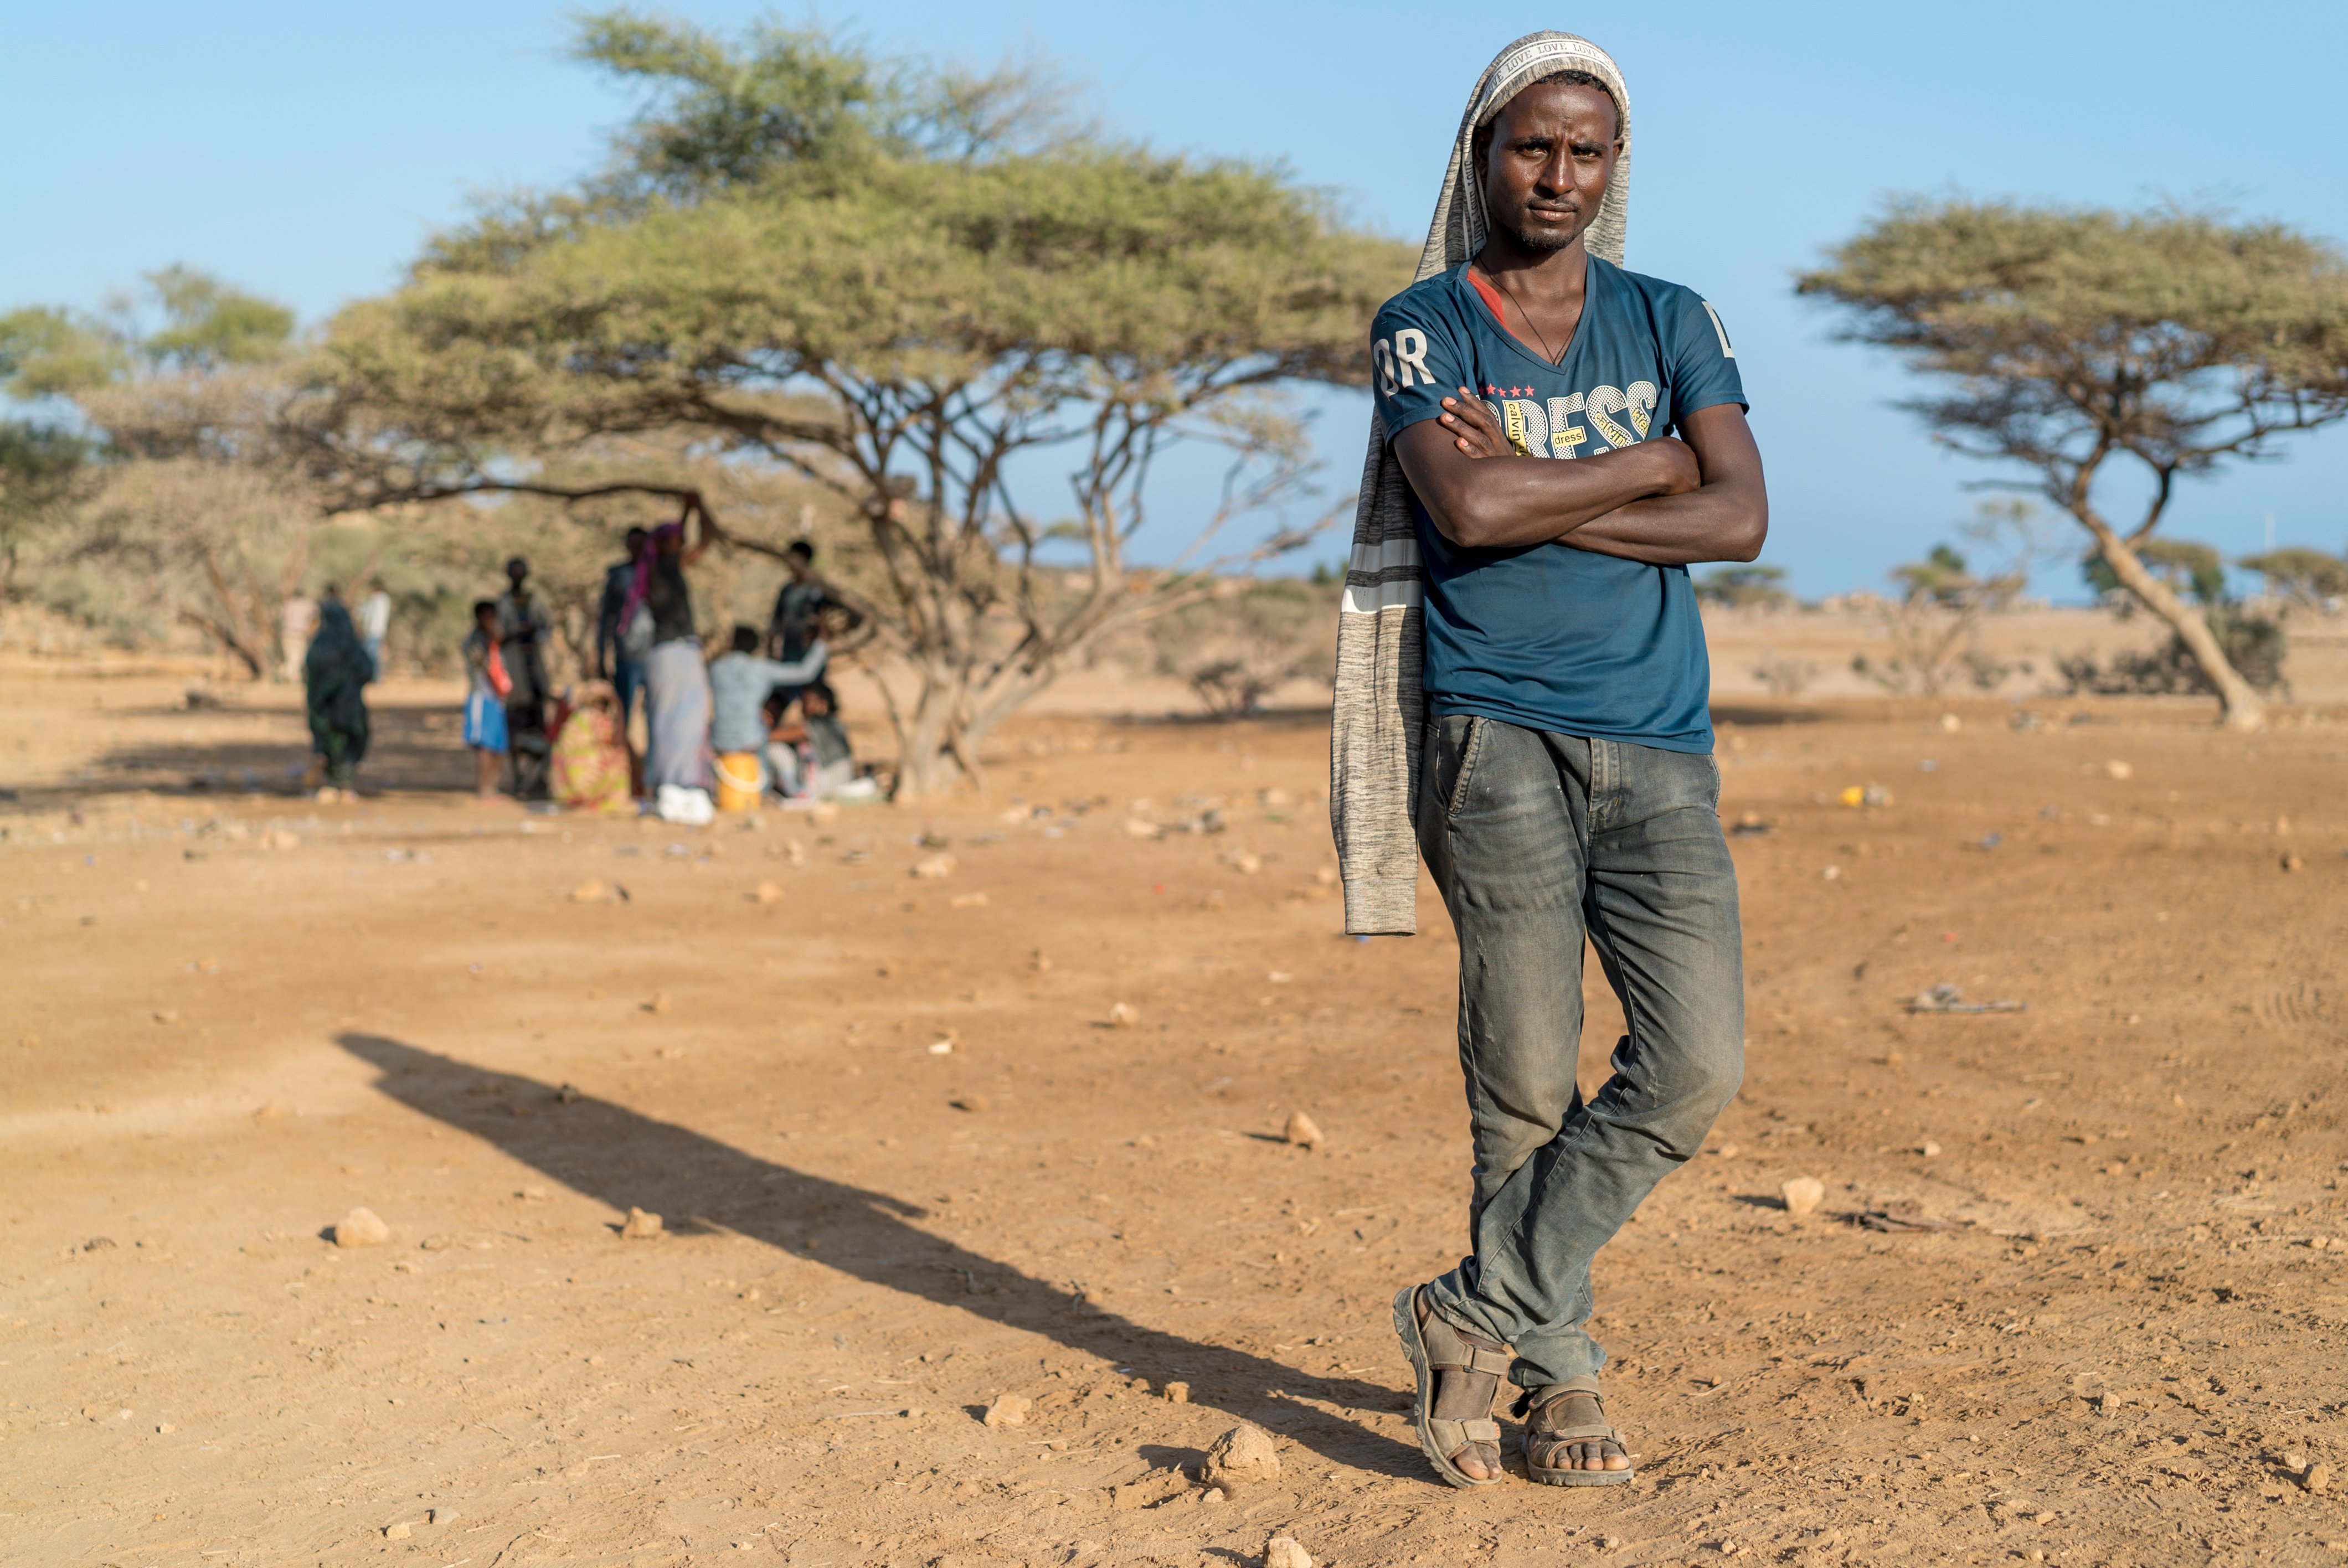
(334, 674)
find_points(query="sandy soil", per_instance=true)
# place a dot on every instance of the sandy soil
(909, 1162)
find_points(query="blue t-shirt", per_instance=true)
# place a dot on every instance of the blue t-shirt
(1546, 636)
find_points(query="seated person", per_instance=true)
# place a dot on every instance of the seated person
(811, 760)
(591, 753)
(739, 683)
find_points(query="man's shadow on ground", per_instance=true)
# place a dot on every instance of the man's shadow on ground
(624, 1159)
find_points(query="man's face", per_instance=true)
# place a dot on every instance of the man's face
(517, 572)
(800, 567)
(1553, 150)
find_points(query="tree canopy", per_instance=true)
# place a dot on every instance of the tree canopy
(2069, 337)
(891, 281)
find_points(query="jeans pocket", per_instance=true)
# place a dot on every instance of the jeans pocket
(1462, 738)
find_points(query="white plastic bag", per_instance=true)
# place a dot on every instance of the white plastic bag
(686, 807)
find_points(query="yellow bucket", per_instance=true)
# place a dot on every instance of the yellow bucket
(741, 777)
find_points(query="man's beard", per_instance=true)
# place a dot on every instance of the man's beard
(1542, 240)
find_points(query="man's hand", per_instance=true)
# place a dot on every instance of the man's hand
(1473, 430)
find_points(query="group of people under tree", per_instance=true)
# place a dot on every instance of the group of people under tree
(703, 720)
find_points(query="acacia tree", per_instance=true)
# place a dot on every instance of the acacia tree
(169, 497)
(2299, 576)
(2070, 339)
(902, 287)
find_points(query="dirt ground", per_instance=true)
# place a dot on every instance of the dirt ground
(920, 1143)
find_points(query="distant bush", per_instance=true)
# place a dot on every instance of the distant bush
(2253, 644)
(1745, 588)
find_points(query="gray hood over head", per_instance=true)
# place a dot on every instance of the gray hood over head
(1458, 230)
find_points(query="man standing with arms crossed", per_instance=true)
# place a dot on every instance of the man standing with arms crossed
(1522, 697)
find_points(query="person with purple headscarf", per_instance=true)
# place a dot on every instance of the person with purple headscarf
(676, 681)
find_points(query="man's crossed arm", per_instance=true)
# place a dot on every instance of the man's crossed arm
(1664, 501)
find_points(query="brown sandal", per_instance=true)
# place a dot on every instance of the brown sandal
(1435, 1347)
(1546, 1439)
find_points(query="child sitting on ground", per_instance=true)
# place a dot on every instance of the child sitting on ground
(812, 758)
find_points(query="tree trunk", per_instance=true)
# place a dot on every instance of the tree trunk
(2241, 706)
(926, 764)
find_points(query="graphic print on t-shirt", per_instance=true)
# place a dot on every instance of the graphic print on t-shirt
(1548, 636)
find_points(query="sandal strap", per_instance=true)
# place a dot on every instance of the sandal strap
(1533, 1406)
(1487, 1430)
(1575, 1435)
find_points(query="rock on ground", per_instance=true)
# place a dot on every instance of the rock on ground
(360, 1227)
(1282, 1551)
(1244, 1454)
(1803, 1195)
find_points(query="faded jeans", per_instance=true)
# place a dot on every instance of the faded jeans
(1538, 840)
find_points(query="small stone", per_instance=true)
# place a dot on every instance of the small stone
(1137, 828)
(1303, 1131)
(768, 892)
(171, 1015)
(659, 1004)
(1282, 1551)
(640, 1226)
(397, 1532)
(2118, 769)
(936, 868)
(166, 1428)
(2291, 860)
(439, 1515)
(360, 1227)
(1928, 1149)
(976, 1104)
(1009, 1411)
(98, 1243)
(1803, 1195)
(1212, 1494)
(1123, 1017)
(595, 890)
(1243, 863)
(1245, 1453)
(2317, 1477)
(967, 901)
(1178, 1393)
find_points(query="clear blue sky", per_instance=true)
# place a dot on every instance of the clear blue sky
(304, 151)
